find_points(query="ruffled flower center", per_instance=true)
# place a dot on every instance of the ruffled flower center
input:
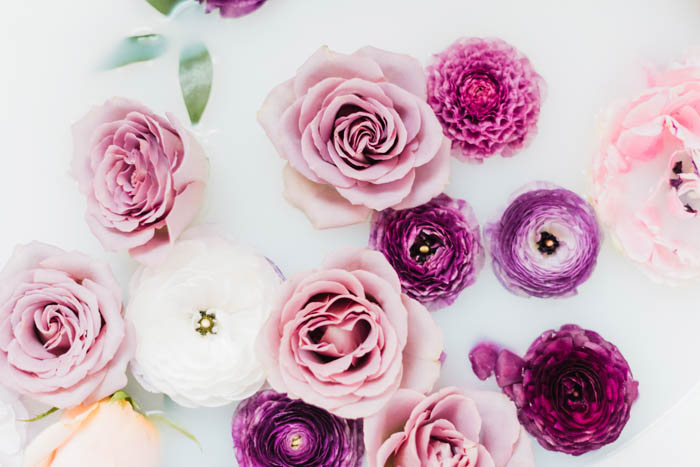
(684, 180)
(547, 244)
(425, 245)
(206, 323)
(480, 95)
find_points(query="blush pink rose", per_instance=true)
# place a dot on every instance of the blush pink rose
(358, 135)
(447, 428)
(646, 182)
(143, 176)
(63, 340)
(345, 338)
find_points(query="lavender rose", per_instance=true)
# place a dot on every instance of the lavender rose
(143, 176)
(545, 243)
(233, 8)
(358, 135)
(435, 248)
(487, 97)
(63, 340)
(272, 430)
(573, 389)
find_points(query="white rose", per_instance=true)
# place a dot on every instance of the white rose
(12, 432)
(197, 316)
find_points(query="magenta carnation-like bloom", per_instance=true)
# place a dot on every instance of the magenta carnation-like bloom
(435, 248)
(573, 389)
(233, 8)
(487, 97)
(272, 430)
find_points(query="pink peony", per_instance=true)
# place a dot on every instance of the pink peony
(447, 428)
(358, 135)
(344, 338)
(646, 178)
(143, 176)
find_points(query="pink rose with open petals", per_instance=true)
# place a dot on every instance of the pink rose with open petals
(447, 428)
(358, 135)
(345, 338)
(646, 176)
(63, 340)
(143, 176)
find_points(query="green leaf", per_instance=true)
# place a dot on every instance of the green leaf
(196, 74)
(155, 416)
(164, 6)
(136, 49)
(39, 417)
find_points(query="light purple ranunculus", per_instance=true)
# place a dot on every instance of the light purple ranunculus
(487, 97)
(233, 8)
(270, 429)
(63, 340)
(357, 135)
(144, 177)
(546, 242)
(573, 389)
(435, 248)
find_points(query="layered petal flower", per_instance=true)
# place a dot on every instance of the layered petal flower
(487, 97)
(646, 183)
(197, 315)
(545, 243)
(63, 339)
(357, 133)
(270, 430)
(435, 248)
(143, 177)
(573, 389)
(233, 8)
(344, 338)
(13, 432)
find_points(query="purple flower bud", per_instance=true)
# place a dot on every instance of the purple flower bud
(487, 97)
(546, 243)
(573, 389)
(271, 430)
(233, 8)
(435, 248)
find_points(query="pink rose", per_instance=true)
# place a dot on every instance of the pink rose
(143, 176)
(63, 340)
(646, 178)
(447, 428)
(358, 135)
(345, 338)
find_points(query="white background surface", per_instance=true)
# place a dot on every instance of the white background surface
(589, 52)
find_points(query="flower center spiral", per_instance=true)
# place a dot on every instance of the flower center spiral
(480, 94)
(207, 323)
(424, 246)
(547, 244)
(296, 442)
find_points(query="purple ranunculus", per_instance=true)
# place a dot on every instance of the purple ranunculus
(545, 243)
(271, 430)
(487, 97)
(435, 248)
(233, 8)
(573, 389)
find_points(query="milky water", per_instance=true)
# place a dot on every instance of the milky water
(589, 53)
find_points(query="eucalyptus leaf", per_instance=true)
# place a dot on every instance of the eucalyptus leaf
(43, 415)
(136, 49)
(196, 74)
(164, 6)
(153, 416)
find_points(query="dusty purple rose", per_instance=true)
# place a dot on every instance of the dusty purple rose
(487, 97)
(271, 430)
(233, 8)
(435, 248)
(143, 177)
(573, 389)
(63, 340)
(545, 243)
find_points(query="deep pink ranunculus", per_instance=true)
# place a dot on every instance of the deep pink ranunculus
(233, 8)
(143, 177)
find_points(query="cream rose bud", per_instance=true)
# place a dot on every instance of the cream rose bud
(197, 315)
(12, 430)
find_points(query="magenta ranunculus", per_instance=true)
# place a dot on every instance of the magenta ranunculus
(143, 176)
(447, 428)
(233, 8)
(573, 389)
(345, 338)
(357, 135)
(487, 97)
(63, 340)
